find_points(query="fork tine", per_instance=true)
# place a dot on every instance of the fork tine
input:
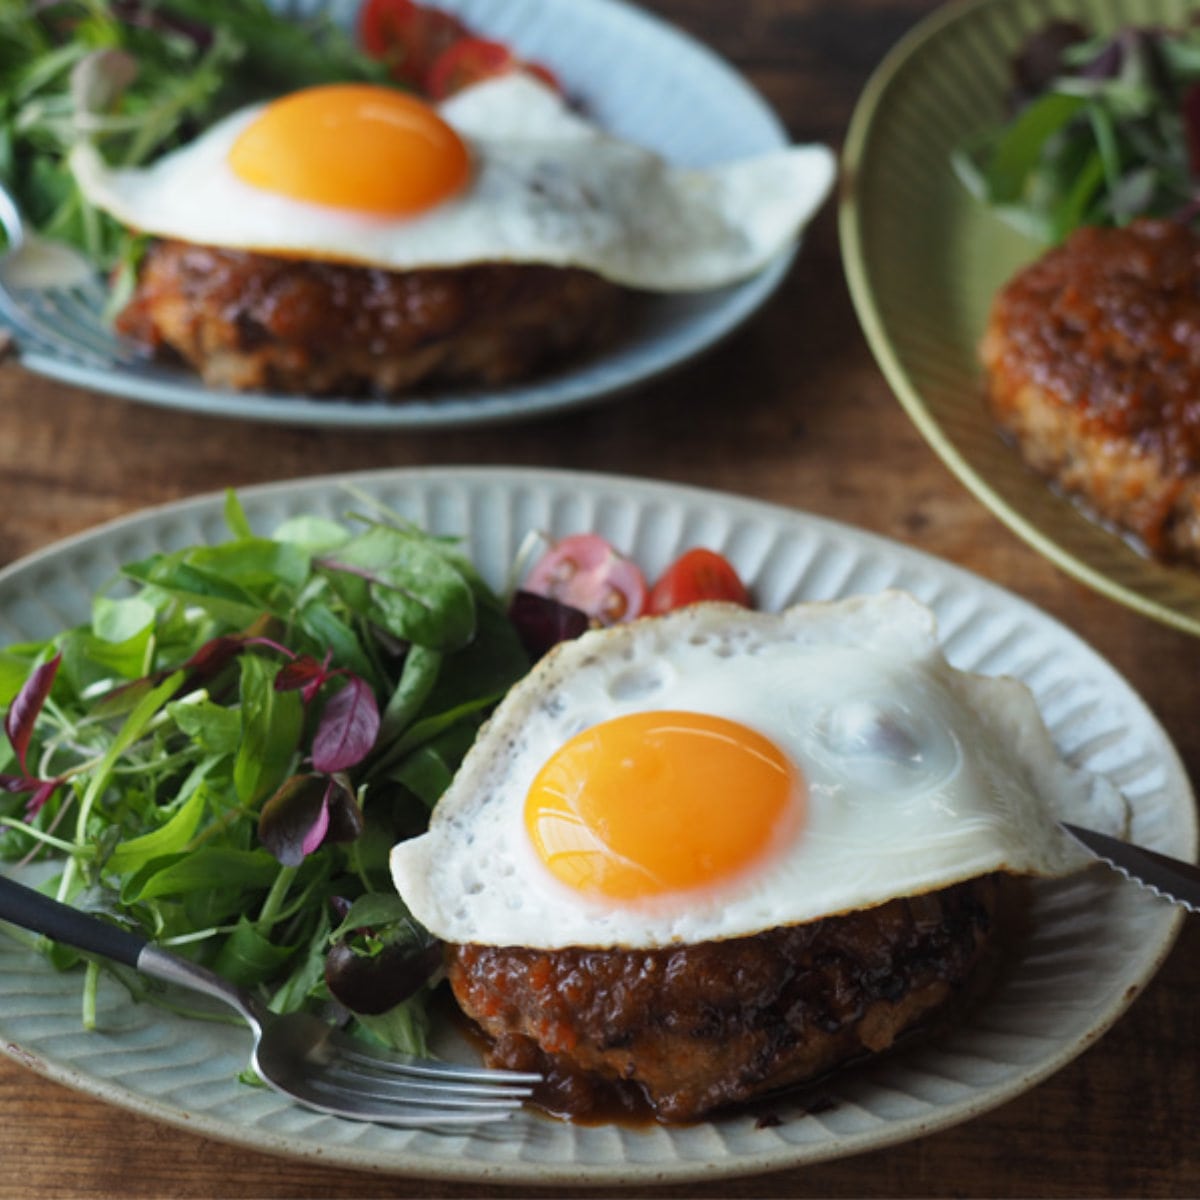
(321, 1093)
(388, 1083)
(381, 1061)
(354, 1088)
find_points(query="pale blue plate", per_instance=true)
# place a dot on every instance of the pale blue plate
(635, 75)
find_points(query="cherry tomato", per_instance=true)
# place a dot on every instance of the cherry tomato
(473, 59)
(695, 575)
(585, 572)
(409, 37)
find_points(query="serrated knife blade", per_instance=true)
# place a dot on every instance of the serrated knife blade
(1171, 878)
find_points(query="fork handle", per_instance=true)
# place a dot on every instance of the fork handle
(31, 910)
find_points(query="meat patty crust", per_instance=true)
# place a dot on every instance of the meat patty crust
(695, 1028)
(251, 321)
(1092, 357)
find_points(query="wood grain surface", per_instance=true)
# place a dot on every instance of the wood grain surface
(793, 410)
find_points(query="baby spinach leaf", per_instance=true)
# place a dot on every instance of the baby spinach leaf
(271, 725)
(408, 584)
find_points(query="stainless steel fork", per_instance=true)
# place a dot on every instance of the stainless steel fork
(296, 1053)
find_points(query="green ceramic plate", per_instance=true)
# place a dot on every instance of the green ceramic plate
(924, 259)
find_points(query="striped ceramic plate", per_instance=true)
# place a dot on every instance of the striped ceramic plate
(924, 259)
(1093, 942)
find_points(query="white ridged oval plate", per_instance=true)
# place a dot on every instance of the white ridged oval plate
(637, 77)
(1094, 940)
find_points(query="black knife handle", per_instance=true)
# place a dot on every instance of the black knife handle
(31, 910)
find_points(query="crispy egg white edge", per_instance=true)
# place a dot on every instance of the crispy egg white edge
(1005, 708)
(546, 187)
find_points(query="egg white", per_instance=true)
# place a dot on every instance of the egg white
(919, 775)
(547, 187)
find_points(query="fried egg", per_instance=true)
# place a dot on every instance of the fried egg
(502, 172)
(718, 772)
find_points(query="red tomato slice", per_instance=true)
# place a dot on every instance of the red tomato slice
(696, 575)
(409, 37)
(473, 59)
(585, 572)
(466, 62)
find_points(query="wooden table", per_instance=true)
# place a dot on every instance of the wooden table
(792, 410)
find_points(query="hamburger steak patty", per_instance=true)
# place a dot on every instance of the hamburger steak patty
(694, 1028)
(1092, 356)
(254, 321)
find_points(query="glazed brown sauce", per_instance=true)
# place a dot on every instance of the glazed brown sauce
(586, 1099)
(1109, 323)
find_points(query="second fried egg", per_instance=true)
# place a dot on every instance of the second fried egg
(503, 172)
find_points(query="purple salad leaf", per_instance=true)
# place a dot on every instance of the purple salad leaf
(304, 813)
(542, 622)
(348, 727)
(44, 790)
(289, 818)
(306, 674)
(23, 713)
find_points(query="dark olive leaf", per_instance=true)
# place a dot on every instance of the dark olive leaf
(542, 621)
(1191, 125)
(346, 821)
(427, 770)
(374, 983)
(1041, 58)
(348, 727)
(247, 957)
(23, 713)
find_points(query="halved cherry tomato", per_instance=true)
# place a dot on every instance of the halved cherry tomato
(409, 37)
(697, 574)
(584, 571)
(473, 59)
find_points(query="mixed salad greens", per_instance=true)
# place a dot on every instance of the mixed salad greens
(1103, 130)
(224, 755)
(138, 77)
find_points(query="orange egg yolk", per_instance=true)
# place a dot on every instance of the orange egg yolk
(355, 146)
(655, 803)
